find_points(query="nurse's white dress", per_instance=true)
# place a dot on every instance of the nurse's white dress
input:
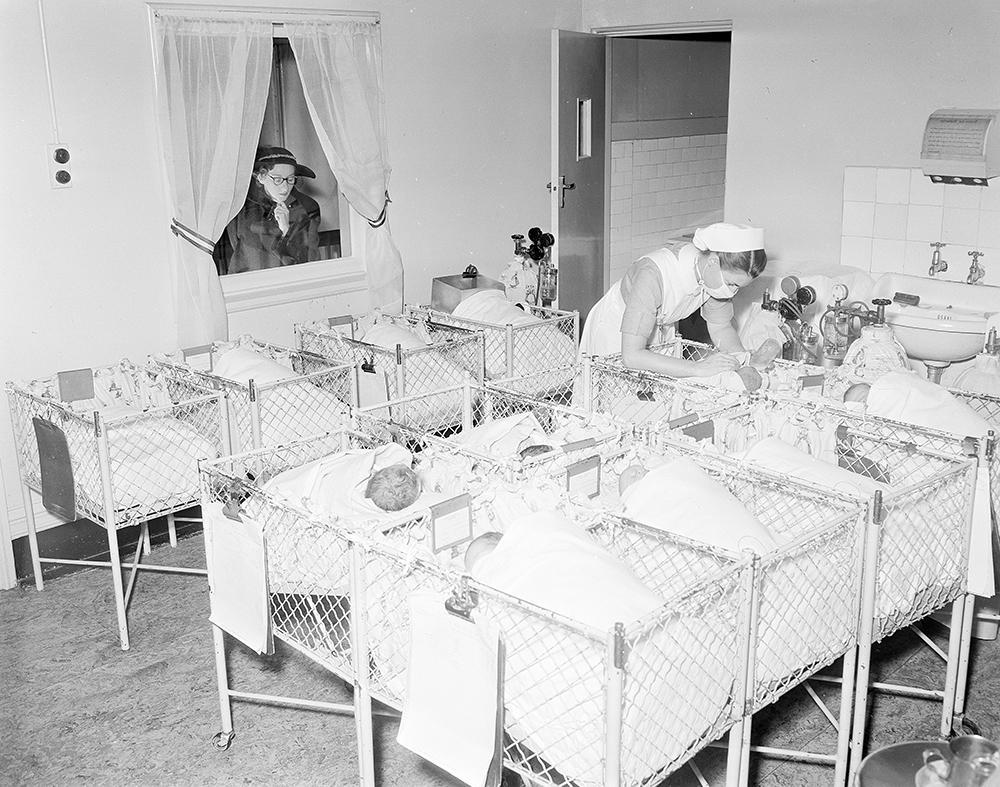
(682, 296)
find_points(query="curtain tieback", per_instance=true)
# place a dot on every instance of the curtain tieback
(379, 220)
(192, 237)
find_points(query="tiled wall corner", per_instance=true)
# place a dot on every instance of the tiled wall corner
(661, 188)
(891, 215)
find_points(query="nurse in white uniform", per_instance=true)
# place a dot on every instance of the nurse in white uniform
(669, 284)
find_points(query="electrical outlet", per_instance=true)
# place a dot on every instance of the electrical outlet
(60, 166)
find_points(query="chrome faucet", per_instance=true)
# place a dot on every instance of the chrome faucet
(976, 271)
(937, 264)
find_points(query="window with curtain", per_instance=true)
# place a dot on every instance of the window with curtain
(215, 75)
(287, 125)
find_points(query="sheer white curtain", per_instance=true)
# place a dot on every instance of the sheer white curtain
(340, 63)
(212, 85)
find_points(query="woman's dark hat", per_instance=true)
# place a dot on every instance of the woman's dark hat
(268, 157)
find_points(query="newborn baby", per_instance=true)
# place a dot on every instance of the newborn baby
(629, 476)
(393, 488)
(534, 450)
(480, 547)
(857, 393)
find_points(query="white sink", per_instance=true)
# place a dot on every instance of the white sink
(948, 324)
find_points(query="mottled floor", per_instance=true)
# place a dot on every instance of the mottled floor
(76, 708)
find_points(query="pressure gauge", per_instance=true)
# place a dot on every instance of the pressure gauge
(839, 292)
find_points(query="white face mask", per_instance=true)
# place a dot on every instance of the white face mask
(720, 291)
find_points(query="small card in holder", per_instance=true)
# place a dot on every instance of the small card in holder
(812, 380)
(76, 384)
(340, 321)
(703, 430)
(203, 358)
(373, 387)
(583, 478)
(451, 522)
(579, 445)
(58, 493)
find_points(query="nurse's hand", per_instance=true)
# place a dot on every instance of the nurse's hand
(717, 364)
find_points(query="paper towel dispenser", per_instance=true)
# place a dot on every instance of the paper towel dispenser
(961, 146)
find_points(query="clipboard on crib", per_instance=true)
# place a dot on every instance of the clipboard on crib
(453, 714)
(239, 592)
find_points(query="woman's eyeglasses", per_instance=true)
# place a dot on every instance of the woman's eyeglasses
(277, 181)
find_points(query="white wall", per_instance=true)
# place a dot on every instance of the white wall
(818, 86)
(84, 269)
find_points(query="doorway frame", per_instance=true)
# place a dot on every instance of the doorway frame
(620, 31)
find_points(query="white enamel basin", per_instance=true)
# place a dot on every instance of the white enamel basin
(948, 324)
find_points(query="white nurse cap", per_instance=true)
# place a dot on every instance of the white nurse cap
(729, 237)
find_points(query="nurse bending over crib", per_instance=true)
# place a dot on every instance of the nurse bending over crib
(664, 286)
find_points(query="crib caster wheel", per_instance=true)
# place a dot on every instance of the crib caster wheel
(969, 727)
(223, 740)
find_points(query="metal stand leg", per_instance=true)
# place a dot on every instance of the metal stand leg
(951, 672)
(144, 537)
(116, 579)
(29, 518)
(172, 529)
(225, 737)
(840, 769)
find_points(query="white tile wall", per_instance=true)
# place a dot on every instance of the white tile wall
(891, 216)
(662, 188)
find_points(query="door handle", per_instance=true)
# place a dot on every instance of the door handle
(564, 187)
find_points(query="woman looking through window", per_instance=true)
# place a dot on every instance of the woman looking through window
(278, 225)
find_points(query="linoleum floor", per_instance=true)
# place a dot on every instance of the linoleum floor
(77, 709)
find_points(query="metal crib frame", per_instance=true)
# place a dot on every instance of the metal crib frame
(246, 402)
(502, 342)
(454, 347)
(106, 512)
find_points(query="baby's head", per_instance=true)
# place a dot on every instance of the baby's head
(534, 450)
(629, 476)
(857, 393)
(479, 547)
(393, 488)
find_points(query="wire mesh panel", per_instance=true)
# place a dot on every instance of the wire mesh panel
(153, 428)
(679, 667)
(540, 348)
(425, 358)
(314, 396)
(989, 408)
(307, 557)
(789, 377)
(515, 434)
(929, 493)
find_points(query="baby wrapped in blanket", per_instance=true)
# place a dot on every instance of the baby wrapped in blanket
(537, 348)
(288, 412)
(426, 370)
(682, 498)
(153, 457)
(677, 685)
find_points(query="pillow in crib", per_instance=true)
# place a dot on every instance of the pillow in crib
(242, 365)
(680, 497)
(775, 454)
(493, 307)
(387, 335)
(906, 396)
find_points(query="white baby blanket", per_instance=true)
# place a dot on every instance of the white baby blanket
(335, 485)
(908, 397)
(775, 454)
(680, 497)
(554, 689)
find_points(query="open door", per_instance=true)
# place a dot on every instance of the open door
(579, 168)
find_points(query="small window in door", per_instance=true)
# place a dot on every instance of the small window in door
(287, 125)
(584, 128)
